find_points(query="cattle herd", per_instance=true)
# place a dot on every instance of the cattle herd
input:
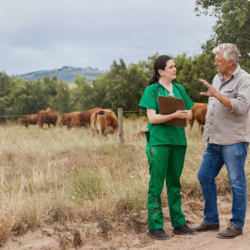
(101, 121)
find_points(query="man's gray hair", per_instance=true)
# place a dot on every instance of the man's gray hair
(229, 50)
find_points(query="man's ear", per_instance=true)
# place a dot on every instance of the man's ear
(231, 62)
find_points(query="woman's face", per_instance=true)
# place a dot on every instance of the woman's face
(170, 71)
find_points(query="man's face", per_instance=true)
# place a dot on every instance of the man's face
(222, 64)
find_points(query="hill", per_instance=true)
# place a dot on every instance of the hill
(66, 73)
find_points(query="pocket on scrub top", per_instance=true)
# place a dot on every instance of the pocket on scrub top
(147, 135)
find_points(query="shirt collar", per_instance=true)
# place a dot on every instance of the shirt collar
(235, 73)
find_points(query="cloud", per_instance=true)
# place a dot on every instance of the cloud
(47, 34)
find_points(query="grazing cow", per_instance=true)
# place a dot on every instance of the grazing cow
(29, 119)
(200, 117)
(83, 118)
(67, 119)
(104, 122)
(197, 105)
(47, 117)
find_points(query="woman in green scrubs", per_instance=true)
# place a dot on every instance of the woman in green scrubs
(166, 148)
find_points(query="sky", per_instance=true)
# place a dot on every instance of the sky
(49, 34)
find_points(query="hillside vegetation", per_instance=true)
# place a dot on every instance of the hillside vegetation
(66, 74)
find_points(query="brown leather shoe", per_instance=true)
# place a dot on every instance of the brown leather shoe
(206, 227)
(230, 232)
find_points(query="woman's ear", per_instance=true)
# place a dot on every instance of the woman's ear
(160, 72)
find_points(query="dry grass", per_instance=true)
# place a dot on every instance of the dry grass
(56, 175)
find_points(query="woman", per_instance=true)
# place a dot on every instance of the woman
(166, 148)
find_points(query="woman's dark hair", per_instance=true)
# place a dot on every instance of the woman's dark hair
(160, 63)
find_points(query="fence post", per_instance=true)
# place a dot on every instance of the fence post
(120, 121)
(140, 112)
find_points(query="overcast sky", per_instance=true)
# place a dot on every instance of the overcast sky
(48, 34)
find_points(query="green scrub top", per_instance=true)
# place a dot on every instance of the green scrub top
(160, 134)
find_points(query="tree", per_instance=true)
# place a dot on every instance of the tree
(50, 85)
(81, 97)
(7, 84)
(190, 70)
(116, 89)
(149, 65)
(99, 97)
(232, 26)
(125, 85)
(27, 97)
(60, 102)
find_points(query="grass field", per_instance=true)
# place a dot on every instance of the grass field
(56, 175)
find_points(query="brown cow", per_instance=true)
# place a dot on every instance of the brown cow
(47, 117)
(104, 122)
(200, 117)
(67, 119)
(83, 118)
(197, 105)
(29, 119)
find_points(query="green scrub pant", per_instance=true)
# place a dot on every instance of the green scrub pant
(165, 163)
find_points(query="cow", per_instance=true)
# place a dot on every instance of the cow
(47, 117)
(197, 105)
(67, 119)
(104, 122)
(200, 117)
(83, 118)
(29, 119)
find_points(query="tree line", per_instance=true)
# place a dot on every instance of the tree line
(122, 86)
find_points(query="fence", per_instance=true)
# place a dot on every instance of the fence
(120, 114)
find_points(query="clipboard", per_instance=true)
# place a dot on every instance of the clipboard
(169, 105)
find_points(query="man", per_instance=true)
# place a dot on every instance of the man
(227, 131)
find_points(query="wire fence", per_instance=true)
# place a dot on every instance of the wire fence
(140, 112)
(120, 112)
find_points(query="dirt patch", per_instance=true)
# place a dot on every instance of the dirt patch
(131, 233)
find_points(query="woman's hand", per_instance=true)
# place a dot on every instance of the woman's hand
(157, 118)
(182, 114)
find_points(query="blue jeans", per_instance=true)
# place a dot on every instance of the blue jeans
(233, 156)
